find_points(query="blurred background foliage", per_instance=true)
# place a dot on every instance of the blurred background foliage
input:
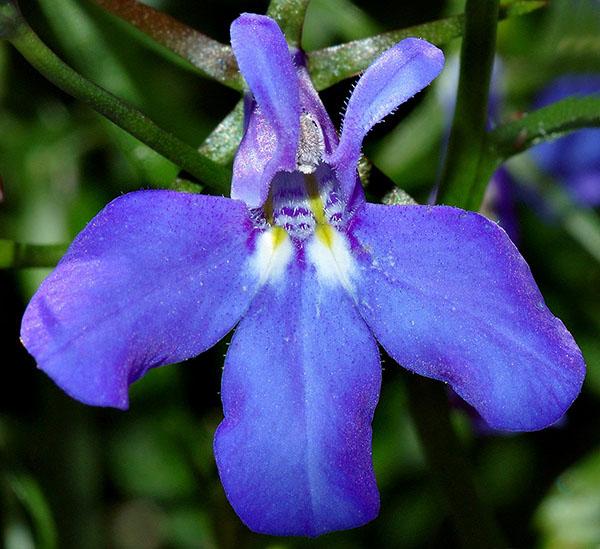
(73, 476)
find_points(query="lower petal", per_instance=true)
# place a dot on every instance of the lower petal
(156, 277)
(448, 296)
(300, 385)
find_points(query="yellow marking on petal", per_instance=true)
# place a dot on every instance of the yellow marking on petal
(326, 234)
(314, 198)
(279, 236)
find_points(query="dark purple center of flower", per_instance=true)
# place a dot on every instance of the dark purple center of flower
(299, 201)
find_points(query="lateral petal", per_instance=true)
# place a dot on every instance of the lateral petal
(156, 277)
(448, 296)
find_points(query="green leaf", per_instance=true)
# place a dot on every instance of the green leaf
(221, 145)
(331, 65)
(211, 58)
(569, 515)
(545, 124)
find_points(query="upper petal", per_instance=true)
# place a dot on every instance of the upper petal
(156, 277)
(448, 296)
(397, 75)
(300, 385)
(272, 134)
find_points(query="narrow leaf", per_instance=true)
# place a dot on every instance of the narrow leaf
(546, 124)
(331, 65)
(221, 145)
(17, 255)
(211, 58)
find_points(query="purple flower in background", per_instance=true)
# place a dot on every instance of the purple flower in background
(574, 159)
(500, 202)
(313, 277)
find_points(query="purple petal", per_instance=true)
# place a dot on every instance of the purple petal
(271, 138)
(156, 277)
(397, 75)
(300, 385)
(448, 296)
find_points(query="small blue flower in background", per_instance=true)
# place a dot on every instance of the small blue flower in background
(574, 159)
(313, 277)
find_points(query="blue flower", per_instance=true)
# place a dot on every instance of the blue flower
(313, 277)
(574, 159)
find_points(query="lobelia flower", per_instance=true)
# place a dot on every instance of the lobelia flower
(315, 277)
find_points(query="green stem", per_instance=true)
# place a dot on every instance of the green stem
(467, 135)
(289, 15)
(119, 112)
(428, 401)
(16, 255)
(211, 58)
